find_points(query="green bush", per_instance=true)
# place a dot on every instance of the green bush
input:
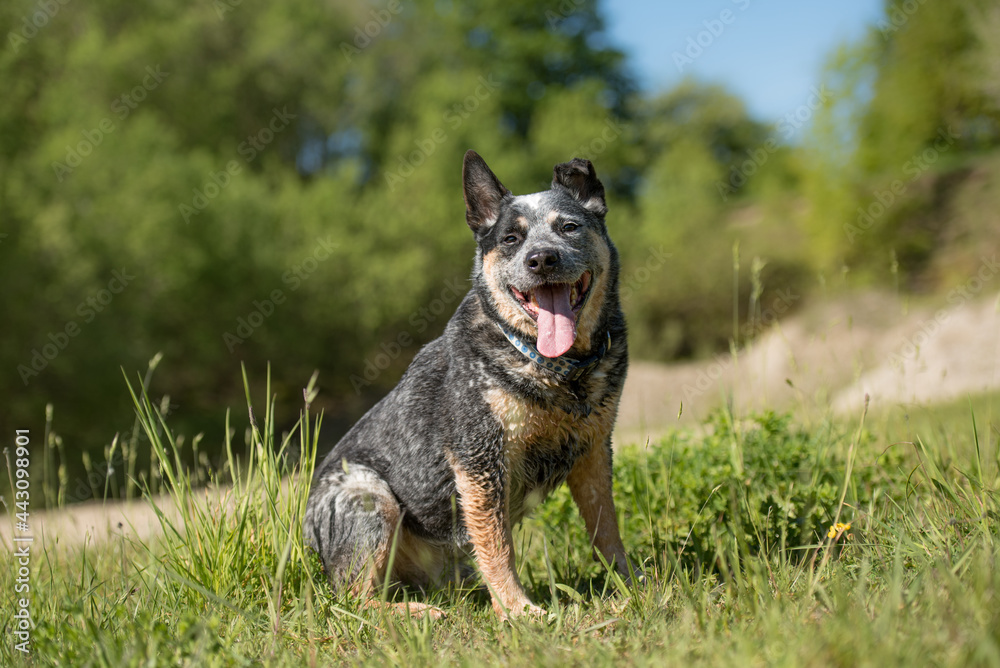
(760, 487)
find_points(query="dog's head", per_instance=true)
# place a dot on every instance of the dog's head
(545, 264)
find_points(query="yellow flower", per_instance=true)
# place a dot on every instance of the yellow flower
(839, 527)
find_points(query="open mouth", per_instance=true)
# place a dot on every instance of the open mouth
(577, 294)
(554, 307)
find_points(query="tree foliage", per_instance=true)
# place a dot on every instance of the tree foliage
(247, 181)
(913, 109)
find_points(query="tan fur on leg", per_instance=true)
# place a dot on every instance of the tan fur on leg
(590, 484)
(489, 530)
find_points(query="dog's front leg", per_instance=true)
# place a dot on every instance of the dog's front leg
(590, 484)
(483, 495)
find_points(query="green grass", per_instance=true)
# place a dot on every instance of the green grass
(730, 521)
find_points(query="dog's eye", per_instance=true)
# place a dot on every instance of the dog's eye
(569, 227)
(511, 239)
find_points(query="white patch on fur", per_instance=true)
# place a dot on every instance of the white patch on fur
(534, 200)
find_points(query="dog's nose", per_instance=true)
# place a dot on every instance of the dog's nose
(543, 260)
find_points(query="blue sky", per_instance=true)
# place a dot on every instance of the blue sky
(770, 53)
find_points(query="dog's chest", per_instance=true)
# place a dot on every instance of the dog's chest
(542, 444)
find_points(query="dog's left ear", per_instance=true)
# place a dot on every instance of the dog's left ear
(483, 192)
(580, 179)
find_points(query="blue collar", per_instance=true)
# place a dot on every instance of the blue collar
(567, 367)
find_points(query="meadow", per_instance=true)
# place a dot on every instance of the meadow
(766, 539)
(248, 182)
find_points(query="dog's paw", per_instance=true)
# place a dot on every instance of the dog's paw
(411, 609)
(421, 610)
(536, 614)
(533, 610)
(522, 609)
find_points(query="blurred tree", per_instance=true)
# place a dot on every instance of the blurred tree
(247, 181)
(274, 181)
(926, 82)
(911, 104)
(985, 19)
(828, 169)
(695, 139)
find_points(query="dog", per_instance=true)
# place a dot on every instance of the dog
(517, 396)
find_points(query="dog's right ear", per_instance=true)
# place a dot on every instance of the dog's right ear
(579, 178)
(483, 193)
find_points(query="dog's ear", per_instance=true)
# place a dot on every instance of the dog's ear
(483, 192)
(580, 179)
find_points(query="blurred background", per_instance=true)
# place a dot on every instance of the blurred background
(237, 181)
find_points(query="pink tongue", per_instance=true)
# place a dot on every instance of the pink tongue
(556, 322)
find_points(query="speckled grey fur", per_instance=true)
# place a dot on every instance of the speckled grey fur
(400, 457)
